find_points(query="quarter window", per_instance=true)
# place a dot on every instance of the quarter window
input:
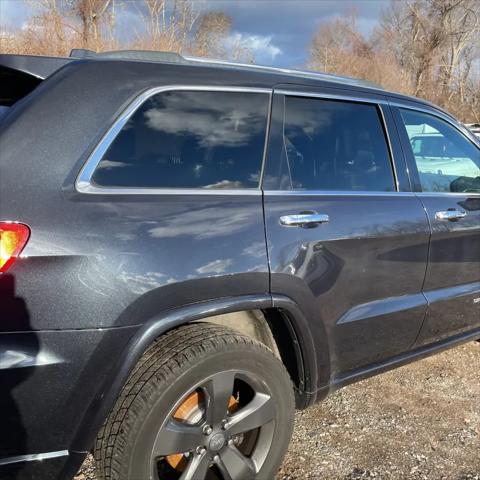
(446, 160)
(189, 139)
(334, 145)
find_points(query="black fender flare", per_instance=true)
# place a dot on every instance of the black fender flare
(101, 405)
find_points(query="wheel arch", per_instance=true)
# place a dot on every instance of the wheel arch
(288, 326)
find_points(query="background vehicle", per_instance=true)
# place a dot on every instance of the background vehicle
(475, 128)
(440, 162)
(201, 247)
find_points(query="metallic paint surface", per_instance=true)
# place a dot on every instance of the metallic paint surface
(103, 275)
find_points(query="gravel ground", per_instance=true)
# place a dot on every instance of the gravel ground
(421, 421)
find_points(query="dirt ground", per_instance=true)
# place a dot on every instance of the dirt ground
(421, 421)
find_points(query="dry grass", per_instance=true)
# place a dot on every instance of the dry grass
(420, 422)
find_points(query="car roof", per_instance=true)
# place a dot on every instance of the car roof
(42, 67)
(171, 57)
(36, 66)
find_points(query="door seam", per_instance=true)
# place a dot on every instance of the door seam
(426, 271)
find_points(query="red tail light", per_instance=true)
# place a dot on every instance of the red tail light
(13, 238)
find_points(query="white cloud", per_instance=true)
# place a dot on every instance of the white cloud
(109, 164)
(217, 266)
(256, 249)
(141, 284)
(260, 45)
(226, 123)
(221, 222)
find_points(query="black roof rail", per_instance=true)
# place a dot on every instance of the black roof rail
(143, 55)
(81, 53)
(172, 57)
(287, 71)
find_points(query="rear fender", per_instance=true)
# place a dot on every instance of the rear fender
(302, 343)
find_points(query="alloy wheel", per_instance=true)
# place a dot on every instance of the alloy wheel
(222, 429)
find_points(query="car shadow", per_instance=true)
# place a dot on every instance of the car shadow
(18, 353)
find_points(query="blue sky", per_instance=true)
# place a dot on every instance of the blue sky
(278, 31)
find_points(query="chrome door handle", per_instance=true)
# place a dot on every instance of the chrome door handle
(304, 219)
(450, 215)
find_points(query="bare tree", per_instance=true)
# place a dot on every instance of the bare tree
(154, 21)
(462, 32)
(338, 47)
(432, 37)
(167, 26)
(94, 15)
(48, 31)
(426, 48)
(212, 29)
(429, 48)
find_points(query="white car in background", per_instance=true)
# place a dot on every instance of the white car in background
(441, 164)
(475, 128)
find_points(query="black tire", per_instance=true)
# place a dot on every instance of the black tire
(202, 356)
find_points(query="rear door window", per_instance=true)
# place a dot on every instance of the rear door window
(334, 145)
(446, 160)
(189, 139)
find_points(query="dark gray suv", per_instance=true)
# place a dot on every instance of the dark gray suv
(189, 250)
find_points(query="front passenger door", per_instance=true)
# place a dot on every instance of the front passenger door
(446, 166)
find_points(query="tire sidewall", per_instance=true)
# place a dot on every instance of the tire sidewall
(250, 358)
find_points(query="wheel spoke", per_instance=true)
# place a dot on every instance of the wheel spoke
(235, 466)
(219, 390)
(196, 468)
(176, 437)
(259, 411)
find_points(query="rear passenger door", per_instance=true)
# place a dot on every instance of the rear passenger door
(346, 238)
(445, 168)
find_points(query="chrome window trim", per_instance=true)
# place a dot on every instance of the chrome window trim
(448, 194)
(33, 457)
(359, 193)
(380, 103)
(333, 96)
(83, 183)
(337, 193)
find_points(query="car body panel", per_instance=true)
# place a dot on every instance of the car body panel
(93, 261)
(360, 274)
(105, 274)
(343, 271)
(48, 379)
(452, 282)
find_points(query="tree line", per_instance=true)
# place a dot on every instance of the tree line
(57, 26)
(426, 48)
